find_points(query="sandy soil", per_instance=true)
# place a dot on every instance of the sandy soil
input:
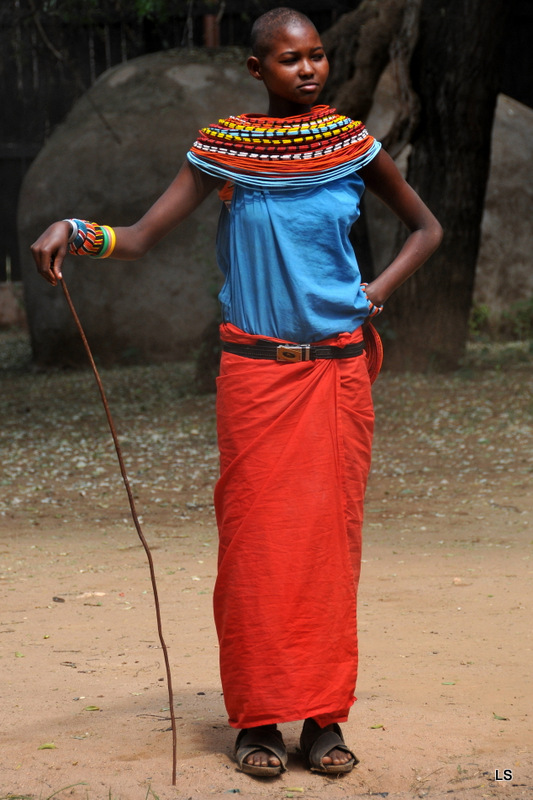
(444, 696)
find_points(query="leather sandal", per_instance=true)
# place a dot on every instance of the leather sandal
(265, 738)
(315, 743)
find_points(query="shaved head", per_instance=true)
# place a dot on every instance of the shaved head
(267, 26)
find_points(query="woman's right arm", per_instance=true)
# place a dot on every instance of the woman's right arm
(188, 189)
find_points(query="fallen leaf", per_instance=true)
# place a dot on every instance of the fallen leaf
(47, 746)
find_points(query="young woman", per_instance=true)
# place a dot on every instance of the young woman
(294, 405)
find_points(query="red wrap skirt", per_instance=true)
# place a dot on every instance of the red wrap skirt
(295, 447)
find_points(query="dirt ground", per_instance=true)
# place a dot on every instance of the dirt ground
(444, 695)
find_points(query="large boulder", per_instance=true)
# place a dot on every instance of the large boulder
(116, 152)
(504, 272)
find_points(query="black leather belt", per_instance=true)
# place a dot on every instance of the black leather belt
(293, 352)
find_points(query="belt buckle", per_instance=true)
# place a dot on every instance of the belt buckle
(293, 352)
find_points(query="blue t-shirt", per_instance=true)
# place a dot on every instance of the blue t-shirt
(289, 267)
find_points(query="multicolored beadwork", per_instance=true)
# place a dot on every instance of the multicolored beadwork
(311, 148)
(91, 239)
(373, 310)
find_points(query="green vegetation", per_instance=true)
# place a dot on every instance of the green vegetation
(514, 324)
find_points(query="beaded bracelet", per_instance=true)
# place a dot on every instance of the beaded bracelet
(373, 310)
(91, 239)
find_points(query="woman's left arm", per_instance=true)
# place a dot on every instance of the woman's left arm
(383, 178)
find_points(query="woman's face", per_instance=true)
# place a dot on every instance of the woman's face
(295, 68)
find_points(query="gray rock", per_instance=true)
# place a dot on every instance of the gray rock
(505, 264)
(117, 151)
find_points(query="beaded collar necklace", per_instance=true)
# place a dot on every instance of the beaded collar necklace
(266, 152)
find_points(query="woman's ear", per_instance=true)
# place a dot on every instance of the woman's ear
(254, 68)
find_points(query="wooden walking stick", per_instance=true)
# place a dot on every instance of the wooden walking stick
(135, 521)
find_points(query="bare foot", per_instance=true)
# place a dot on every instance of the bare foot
(335, 756)
(314, 742)
(262, 758)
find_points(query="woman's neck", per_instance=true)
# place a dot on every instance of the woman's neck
(280, 108)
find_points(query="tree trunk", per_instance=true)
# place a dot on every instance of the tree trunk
(358, 48)
(455, 74)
